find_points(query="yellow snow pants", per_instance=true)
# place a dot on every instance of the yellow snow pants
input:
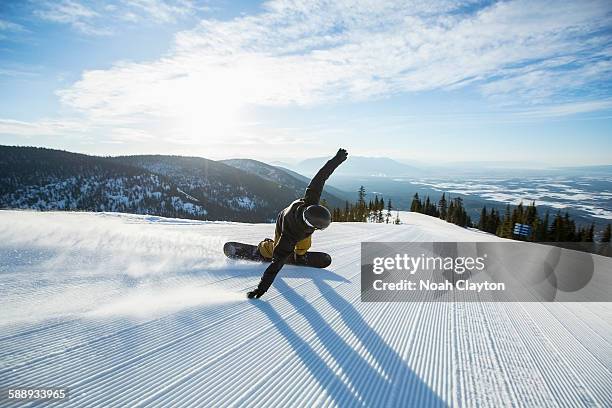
(266, 247)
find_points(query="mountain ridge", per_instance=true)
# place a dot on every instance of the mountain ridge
(172, 186)
(333, 196)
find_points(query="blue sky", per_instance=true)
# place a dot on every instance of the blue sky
(436, 81)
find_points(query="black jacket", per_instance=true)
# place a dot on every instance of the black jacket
(290, 223)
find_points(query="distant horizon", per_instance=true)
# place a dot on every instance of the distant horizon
(281, 161)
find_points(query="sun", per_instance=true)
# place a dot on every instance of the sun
(203, 107)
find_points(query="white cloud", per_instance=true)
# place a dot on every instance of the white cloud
(9, 29)
(307, 53)
(538, 83)
(10, 26)
(127, 135)
(9, 72)
(567, 109)
(97, 18)
(161, 11)
(65, 11)
(304, 53)
(44, 127)
(79, 16)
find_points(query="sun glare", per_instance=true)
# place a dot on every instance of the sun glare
(203, 107)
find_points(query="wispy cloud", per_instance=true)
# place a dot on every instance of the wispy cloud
(79, 16)
(10, 29)
(567, 109)
(161, 11)
(43, 127)
(17, 73)
(308, 53)
(11, 26)
(98, 19)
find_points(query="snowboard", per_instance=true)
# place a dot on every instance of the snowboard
(238, 250)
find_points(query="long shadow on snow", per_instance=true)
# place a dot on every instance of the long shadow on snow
(361, 383)
(403, 387)
(256, 269)
(311, 360)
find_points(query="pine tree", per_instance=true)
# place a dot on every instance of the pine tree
(389, 208)
(518, 214)
(605, 248)
(347, 211)
(493, 221)
(380, 217)
(443, 206)
(505, 229)
(416, 205)
(591, 233)
(607, 233)
(556, 228)
(484, 219)
(459, 216)
(542, 230)
(361, 195)
(451, 211)
(531, 214)
(569, 229)
(361, 214)
(373, 210)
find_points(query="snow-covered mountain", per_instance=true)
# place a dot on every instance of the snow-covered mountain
(285, 177)
(172, 186)
(237, 194)
(132, 310)
(362, 166)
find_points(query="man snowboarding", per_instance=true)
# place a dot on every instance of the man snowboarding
(295, 225)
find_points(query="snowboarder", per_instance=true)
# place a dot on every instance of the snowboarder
(295, 225)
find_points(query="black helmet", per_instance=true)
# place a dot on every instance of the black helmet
(317, 216)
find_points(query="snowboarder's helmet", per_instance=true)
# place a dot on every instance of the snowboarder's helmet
(317, 216)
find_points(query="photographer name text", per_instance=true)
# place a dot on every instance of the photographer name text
(411, 265)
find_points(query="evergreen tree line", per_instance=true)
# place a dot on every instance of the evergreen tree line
(450, 210)
(560, 228)
(362, 211)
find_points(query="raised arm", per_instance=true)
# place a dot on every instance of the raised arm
(315, 188)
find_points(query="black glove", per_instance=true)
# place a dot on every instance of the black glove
(256, 294)
(341, 155)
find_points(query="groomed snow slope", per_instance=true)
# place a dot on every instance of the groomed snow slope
(144, 311)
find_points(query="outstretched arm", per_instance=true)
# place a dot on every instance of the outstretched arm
(282, 251)
(315, 188)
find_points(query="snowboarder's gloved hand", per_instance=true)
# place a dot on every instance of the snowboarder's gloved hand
(255, 294)
(341, 155)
